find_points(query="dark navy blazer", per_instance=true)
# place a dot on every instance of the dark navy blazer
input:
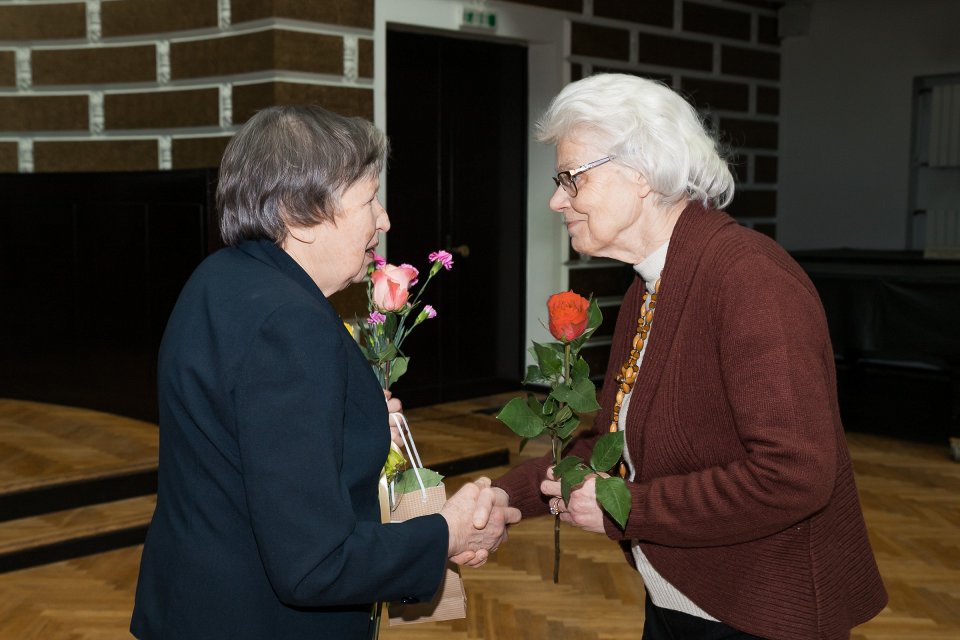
(273, 431)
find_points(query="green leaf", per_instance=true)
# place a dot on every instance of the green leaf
(582, 396)
(407, 482)
(567, 428)
(398, 367)
(533, 375)
(607, 451)
(534, 405)
(595, 319)
(523, 443)
(563, 415)
(551, 362)
(549, 404)
(614, 497)
(571, 479)
(566, 464)
(387, 352)
(521, 419)
(390, 324)
(580, 370)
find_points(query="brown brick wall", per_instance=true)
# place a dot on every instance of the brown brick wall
(716, 94)
(653, 12)
(768, 30)
(750, 133)
(352, 13)
(716, 21)
(132, 17)
(198, 153)
(94, 65)
(722, 56)
(260, 51)
(95, 155)
(8, 69)
(162, 109)
(753, 204)
(748, 62)
(349, 101)
(575, 6)
(768, 100)
(601, 42)
(365, 55)
(43, 21)
(44, 113)
(8, 157)
(765, 169)
(675, 52)
(310, 52)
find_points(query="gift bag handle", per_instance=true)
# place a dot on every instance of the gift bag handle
(407, 438)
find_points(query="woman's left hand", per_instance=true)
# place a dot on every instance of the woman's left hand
(583, 510)
(393, 406)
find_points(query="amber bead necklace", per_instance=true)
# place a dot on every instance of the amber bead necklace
(628, 372)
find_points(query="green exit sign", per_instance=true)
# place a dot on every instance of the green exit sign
(479, 19)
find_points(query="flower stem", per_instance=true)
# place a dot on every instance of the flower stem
(556, 549)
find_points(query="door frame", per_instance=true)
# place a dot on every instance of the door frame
(546, 34)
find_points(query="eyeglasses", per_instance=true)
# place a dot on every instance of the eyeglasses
(566, 180)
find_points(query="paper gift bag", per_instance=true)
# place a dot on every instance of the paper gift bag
(450, 601)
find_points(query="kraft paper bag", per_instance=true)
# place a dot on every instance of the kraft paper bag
(450, 602)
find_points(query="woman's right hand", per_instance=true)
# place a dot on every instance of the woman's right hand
(473, 538)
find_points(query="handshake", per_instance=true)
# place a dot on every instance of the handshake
(477, 517)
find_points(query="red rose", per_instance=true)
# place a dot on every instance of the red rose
(569, 314)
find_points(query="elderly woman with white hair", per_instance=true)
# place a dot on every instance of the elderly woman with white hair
(745, 520)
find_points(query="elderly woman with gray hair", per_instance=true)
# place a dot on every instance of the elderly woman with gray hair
(744, 518)
(273, 428)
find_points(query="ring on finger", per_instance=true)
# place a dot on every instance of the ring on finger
(555, 506)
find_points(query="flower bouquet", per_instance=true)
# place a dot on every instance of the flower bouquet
(572, 320)
(393, 314)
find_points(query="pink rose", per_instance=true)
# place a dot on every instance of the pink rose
(391, 286)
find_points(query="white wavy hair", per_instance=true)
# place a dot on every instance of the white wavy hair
(648, 127)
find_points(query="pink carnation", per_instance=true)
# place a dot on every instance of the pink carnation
(376, 317)
(430, 311)
(443, 258)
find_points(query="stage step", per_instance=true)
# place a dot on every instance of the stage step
(74, 482)
(70, 533)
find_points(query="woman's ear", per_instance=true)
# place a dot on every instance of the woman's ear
(303, 235)
(644, 186)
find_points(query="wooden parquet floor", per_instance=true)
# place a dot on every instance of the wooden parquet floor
(45, 444)
(911, 498)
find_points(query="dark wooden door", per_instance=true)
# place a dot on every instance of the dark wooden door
(91, 265)
(456, 117)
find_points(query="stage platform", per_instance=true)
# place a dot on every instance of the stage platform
(74, 482)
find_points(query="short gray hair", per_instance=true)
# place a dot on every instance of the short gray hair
(290, 165)
(648, 127)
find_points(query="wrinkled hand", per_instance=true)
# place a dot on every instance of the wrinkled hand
(583, 510)
(478, 517)
(393, 406)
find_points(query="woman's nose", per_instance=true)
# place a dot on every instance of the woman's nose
(560, 200)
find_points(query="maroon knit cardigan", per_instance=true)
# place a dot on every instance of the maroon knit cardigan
(744, 496)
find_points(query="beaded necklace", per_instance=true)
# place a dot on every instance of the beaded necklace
(628, 372)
